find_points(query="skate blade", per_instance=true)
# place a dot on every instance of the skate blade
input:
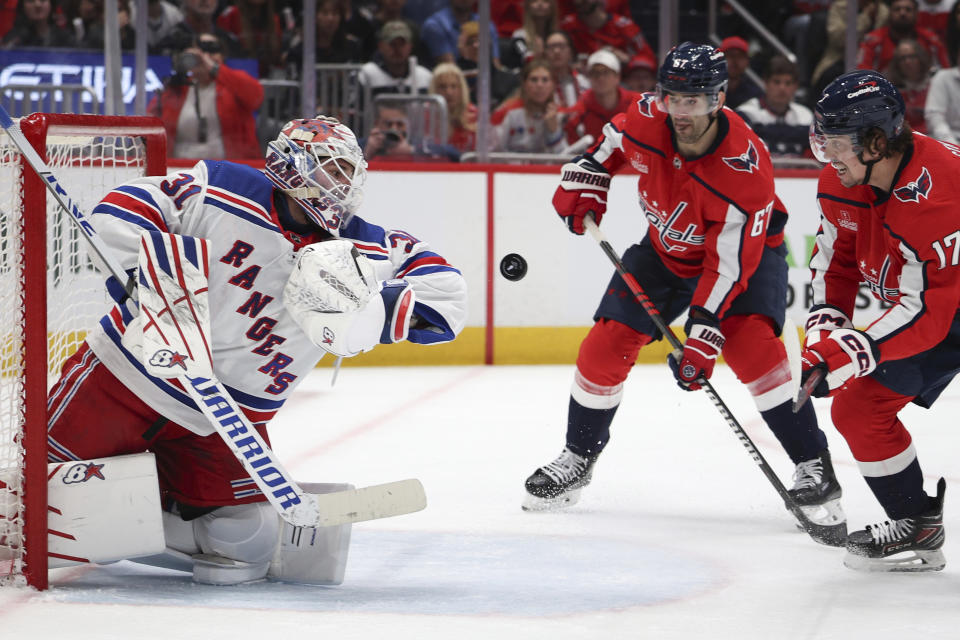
(906, 562)
(564, 500)
(827, 523)
(828, 514)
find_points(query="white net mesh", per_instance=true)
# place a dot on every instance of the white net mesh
(87, 166)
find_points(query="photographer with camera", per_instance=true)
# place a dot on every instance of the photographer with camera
(208, 108)
(389, 134)
(390, 138)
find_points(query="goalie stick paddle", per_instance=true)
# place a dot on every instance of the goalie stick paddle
(225, 416)
(830, 535)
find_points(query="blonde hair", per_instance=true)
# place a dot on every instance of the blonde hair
(530, 28)
(456, 115)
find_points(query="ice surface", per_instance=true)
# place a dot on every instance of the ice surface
(679, 536)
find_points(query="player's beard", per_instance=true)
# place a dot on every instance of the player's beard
(690, 130)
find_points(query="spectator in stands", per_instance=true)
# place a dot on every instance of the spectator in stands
(448, 81)
(593, 28)
(258, 30)
(533, 126)
(784, 125)
(390, 138)
(441, 31)
(502, 82)
(392, 70)
(616, 7)
(910, 73)
(333, 43)
(365, 24)
(207, 108)
(8, 14)
(641, 73)
(934, 15)
(417, 11)
(872, 14)
(876, 50)
(87, 20)
(740, 88)
(942, 109)
(198, 19)
(559, 56)
(539, 21)
(953, 33)
(507, 15)
(795, 32)
(605, 98)
(34, 26)
(161, 18)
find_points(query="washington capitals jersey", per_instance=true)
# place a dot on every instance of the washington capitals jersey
(260, 354)
(709, 216)
(904, 246)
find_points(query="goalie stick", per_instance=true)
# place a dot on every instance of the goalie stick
(824, 534)
(291, 502)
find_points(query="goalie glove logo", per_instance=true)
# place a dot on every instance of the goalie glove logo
(169, 359)
(328, 336)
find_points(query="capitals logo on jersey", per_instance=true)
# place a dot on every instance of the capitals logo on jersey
(747, 161)
(645, 104)
(919, 187)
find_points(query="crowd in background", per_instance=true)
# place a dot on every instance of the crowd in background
(560, 69)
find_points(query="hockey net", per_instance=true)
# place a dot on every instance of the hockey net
(50, 296)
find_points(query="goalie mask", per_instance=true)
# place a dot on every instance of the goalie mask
(318, 163)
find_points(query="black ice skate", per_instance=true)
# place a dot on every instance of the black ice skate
(908, 544)
(816, 491)
(557, 485)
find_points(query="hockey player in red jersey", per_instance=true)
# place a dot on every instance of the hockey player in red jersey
(714, 244)
(291, 273)
(888, 220)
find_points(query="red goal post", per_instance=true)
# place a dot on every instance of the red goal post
(50, 295)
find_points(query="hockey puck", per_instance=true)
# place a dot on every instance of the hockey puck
(513, 267)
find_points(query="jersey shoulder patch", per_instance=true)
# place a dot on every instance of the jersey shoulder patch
(240, 180)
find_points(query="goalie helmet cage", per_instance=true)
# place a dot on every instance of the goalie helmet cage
(50, 295)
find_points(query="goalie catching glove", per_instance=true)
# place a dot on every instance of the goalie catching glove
(844, 354)
(334, 296)
(583, 189)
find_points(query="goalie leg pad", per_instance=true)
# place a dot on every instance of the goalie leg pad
(103, 510)
(312, 555)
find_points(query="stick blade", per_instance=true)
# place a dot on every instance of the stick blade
(370, 503)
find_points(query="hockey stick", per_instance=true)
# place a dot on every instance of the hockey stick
(807, 389)
(292, 503)
(824, 534)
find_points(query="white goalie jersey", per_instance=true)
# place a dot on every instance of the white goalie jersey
(260, 353)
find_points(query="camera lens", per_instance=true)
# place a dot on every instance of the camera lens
(187, 62)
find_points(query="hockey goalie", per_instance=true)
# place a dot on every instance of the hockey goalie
(247, 277)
